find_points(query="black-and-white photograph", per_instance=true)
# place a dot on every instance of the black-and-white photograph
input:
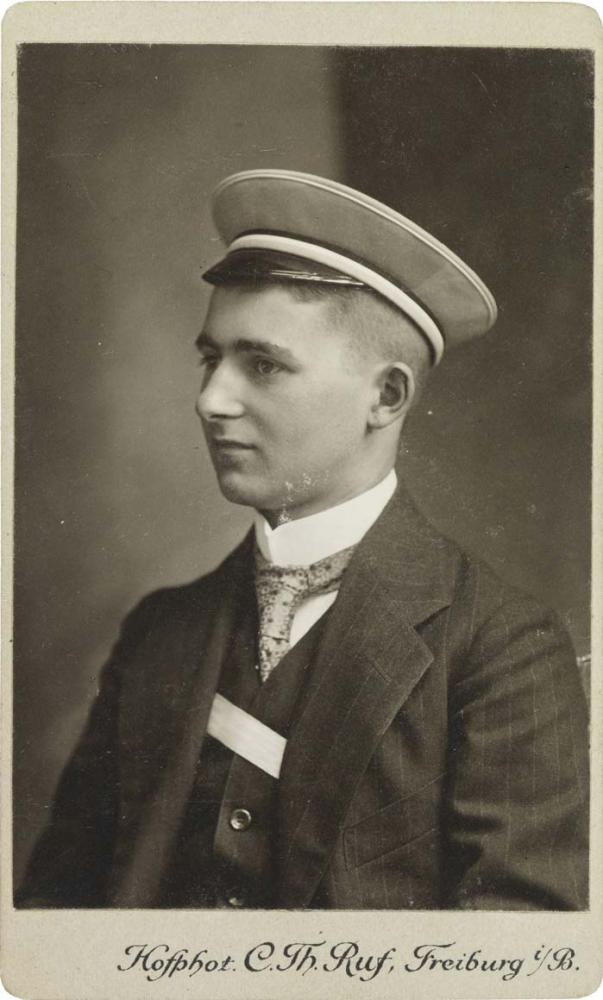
(302, 477)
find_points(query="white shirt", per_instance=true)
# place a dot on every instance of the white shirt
(309, 539)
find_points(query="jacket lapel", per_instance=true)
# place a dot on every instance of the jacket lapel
(370, 660)
(211, 630)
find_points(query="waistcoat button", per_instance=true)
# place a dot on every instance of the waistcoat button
(240, 819)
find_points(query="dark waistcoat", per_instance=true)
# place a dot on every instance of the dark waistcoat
(226, 852)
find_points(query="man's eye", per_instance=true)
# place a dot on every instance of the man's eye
(208, 361)
(265, 367)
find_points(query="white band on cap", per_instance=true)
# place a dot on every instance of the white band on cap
(322, 255)
(246, 736)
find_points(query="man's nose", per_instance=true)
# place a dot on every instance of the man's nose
(219, 396)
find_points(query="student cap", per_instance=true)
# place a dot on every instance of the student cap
(284, 225)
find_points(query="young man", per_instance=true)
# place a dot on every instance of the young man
(349, 712)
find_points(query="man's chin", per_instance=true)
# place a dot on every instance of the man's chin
(237, 489)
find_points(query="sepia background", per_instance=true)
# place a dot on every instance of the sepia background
(119, 149)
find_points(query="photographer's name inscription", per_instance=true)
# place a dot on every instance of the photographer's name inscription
(344, 959)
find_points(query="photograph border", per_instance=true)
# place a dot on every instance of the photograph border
(76, 954)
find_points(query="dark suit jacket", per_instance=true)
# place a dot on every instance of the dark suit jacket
(440, 760)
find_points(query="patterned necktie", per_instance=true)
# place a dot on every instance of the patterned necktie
(280, 590)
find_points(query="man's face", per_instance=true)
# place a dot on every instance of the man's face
(284, 410)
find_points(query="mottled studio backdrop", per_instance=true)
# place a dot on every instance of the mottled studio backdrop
(119, 149)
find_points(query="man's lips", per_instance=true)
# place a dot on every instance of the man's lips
(229, 444)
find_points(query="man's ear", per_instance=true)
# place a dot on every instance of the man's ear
(395, 389)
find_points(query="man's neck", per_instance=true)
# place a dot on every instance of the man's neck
(315, 536)
(290, 512)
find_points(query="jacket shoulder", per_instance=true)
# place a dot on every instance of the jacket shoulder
(482, 603)
(183, 602)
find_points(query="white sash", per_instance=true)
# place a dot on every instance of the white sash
(246, 736)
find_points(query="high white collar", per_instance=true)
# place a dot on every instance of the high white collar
(308, 539)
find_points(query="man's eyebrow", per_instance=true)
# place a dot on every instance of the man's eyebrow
(266, 347)
(205, 340)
